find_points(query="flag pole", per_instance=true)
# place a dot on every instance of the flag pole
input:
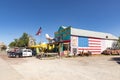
(39, 33)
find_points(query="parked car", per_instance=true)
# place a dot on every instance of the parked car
(111, 52)
(14, 53)
(20, 53)
(26, 52)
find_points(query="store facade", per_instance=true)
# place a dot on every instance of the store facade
(73, 40)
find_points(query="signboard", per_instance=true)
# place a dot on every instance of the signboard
(62, 34)
(74, 41)
(74, 45)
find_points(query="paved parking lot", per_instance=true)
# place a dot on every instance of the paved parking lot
(78, 68)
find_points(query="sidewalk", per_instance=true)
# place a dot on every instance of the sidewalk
(7, 72)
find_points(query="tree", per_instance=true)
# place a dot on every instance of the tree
(116, 44)
(21, 42)
(16, 42)
(4, 47)
(119, 39)
(12, 44)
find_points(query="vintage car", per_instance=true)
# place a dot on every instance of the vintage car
(111, 52)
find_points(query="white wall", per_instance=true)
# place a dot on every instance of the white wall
(106, 44)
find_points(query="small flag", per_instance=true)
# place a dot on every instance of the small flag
(39, 31)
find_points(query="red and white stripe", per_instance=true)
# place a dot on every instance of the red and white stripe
(94, 45)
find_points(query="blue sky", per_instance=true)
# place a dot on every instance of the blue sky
(18, 16)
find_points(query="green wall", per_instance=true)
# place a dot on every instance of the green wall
(63, 33)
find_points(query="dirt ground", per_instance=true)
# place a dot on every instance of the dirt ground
(75, 68)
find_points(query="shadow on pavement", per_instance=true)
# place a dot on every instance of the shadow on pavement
(117, 59)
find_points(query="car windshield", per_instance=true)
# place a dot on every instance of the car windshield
(19, 51)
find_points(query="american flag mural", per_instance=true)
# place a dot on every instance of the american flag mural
(91, 44)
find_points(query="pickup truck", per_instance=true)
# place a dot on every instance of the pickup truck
(20, 53)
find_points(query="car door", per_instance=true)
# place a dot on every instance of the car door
(29, 52)
(24, 52)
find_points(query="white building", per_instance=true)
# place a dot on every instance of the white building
(79, 39)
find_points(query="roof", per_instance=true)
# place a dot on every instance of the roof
(61, 28)
(87, 33)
